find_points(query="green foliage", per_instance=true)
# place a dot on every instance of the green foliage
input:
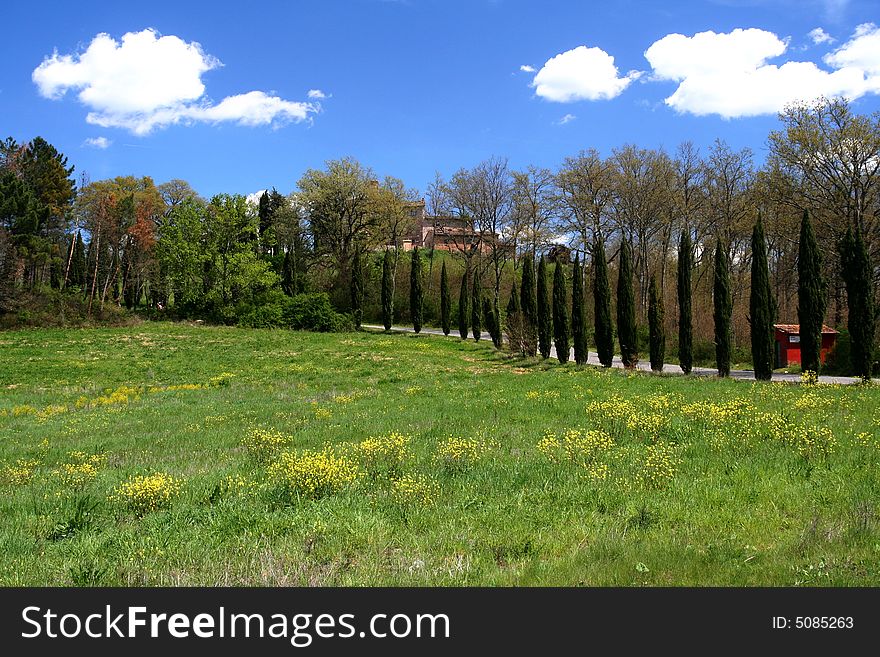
(858, 276)
(514, 321)
(656, 326)
(493, 321)
(560, 314)
(685, 318)
(357, 290)
(306, 312)
(77, 275)
(578, 318)
(529, 306)
(445, 302)
(387, 291)
(812, 297)
(415, 290)
(626, 310)
(545, 311)
(722, 309)
(604, 332)
(463, 306)
(761, 308)
(476, 306)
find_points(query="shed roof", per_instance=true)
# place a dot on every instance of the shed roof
(796, 328)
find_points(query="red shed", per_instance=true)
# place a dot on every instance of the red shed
(788, 347)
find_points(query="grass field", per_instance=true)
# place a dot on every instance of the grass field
(170, 454)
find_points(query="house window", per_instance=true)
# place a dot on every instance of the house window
(794, 339)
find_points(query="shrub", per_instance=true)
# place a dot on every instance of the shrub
(312, 474)
(144, 493)
(313, 312)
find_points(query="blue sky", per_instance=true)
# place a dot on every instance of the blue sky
(410, 87)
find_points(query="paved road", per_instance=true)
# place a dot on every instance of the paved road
(742, 375)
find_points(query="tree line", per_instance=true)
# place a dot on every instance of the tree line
(129, 242)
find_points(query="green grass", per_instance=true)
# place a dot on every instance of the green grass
(750, 492)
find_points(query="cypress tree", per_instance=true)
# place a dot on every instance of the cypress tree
(514, 321)
(387, 292)
(357, 289)
(560, 314)
(578, 320)
(722, 309)
(761, 307)
(656, 327)
(287, 274)
(476, 308)
(602, 304)
(493, 321)
(812, 299)
(857, 274)
(463, 306)
(445, 302)
(415, 290)
(529, 306)
(545, 313)
(626, 310)
(77, 275)
(685, 320)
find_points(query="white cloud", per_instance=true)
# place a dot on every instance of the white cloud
(254, 198)
(525, 68)
(861, 52)
(97, 142)
(568, 118)
(728, 74)
(317, 94)
(581, 74)
(820, 36)
(147, 81)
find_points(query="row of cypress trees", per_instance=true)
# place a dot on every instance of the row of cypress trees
(532, 321)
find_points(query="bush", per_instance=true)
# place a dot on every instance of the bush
(308, 312)
(837, 362)
(313, 312)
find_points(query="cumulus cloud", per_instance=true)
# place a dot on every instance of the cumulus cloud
(729, 74)
(97, 142)
(820, 36)
(568, 118)
(581, 74)
(147, 81)
(525, 68)
(317, 94)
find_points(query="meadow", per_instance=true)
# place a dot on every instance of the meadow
(178, 454)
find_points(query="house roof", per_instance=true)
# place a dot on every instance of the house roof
(796, 328)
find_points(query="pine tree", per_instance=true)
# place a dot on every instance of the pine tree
(545, 312)
(626, 310)
(476, 306)
(463, 306)
(857, 274)
(357, 289)
(560, 314)
(387, 292)
(812, 299)
(602, 305)
(722, 309)
(685, 320)
(445, 302)
(529, 306)
(56, 268)
(578, 320)
(761, 307)
(656, 326)
(514, 321)
(415, 290)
